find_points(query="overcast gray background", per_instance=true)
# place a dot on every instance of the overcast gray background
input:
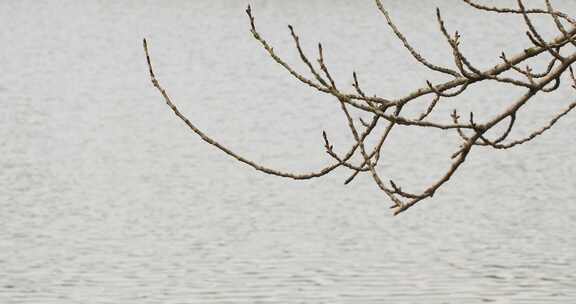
(105, 197)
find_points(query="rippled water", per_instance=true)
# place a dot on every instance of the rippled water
(107, 198)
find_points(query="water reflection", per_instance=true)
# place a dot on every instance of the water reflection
(107, 198)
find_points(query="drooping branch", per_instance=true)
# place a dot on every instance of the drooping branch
(228, 151)
(389, 111)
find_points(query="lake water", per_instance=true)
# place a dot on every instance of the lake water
(105, 197)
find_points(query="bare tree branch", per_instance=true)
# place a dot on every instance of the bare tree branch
(389, 111)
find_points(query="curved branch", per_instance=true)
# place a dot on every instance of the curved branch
(224, 149)
(472, 133)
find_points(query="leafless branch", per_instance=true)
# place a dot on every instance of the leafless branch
(389, 111)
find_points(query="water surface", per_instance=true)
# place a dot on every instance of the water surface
(107, 198)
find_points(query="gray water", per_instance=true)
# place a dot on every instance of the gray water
(105, 197)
